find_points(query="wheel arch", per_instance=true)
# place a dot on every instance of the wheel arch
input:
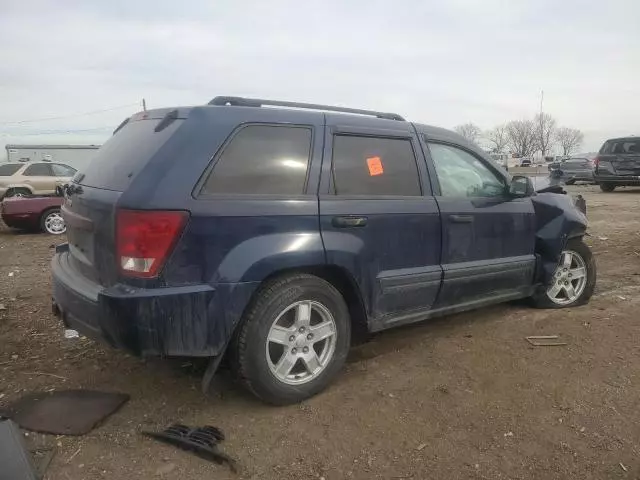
(342, 281)
(18, 186)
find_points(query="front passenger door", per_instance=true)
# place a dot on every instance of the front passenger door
(487, 237)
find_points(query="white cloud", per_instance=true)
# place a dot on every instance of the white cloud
(438, 63)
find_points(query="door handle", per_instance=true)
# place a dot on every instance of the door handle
(347, 222)
(461, 218)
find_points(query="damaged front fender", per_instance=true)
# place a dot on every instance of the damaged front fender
(557, 221)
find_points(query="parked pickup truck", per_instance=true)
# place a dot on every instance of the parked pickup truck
(34, 213)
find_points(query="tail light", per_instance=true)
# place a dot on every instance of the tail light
(145, 239)
(596, 161)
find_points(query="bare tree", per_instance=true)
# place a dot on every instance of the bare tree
(498, 138)
(470, 131)
(569, 139)
(545, 132)
(521, 136)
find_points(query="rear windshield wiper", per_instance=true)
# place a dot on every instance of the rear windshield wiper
(168, 119)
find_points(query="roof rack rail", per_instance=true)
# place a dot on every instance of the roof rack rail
(258, 102)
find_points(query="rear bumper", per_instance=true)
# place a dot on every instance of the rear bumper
(194, 320)
(628, 180)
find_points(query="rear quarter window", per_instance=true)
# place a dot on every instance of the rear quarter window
(125, 154)
(262, 160)
(8, 170)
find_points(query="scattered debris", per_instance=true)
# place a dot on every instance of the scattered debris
(508, 434)
(545, 341)
(604, 239)
(442, 388)
(582, 430)
(70, 333)
(621, 297)
(74, 455)
(623, 467)
(45, 373)
(14, 357)
(11, 274)
(2, 307)
(165, 469)
(203, 441)
(421, 446)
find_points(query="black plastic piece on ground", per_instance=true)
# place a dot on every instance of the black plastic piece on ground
(203, 441)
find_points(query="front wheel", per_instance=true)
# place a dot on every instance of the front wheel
(607, 187)
(573, 281)
(293, 340)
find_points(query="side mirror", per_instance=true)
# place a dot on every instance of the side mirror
(521, 187)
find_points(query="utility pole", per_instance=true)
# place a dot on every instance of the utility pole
(144, 105)
(541, 100)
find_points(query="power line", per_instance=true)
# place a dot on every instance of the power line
(61, 117)
(57, 132)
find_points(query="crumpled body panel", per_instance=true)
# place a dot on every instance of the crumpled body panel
(557, 220)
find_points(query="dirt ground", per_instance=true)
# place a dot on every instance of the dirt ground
(461, 397)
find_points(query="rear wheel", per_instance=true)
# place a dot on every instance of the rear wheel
(573, 281)
(52, 222)
(607, 187)
(293, 340)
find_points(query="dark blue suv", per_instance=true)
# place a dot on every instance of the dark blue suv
(268, 235)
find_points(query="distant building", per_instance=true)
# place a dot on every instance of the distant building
(76, 156)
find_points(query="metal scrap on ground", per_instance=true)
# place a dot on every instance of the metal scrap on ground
(545, 341)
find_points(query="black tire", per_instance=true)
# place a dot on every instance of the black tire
(43, 220)
(577, 245)
(607, 187)
(248, 356)
(18, 192)
(571, 181)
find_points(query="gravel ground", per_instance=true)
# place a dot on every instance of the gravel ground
(461, 397)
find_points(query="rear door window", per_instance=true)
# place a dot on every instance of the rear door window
(125, 154)
(373, 166)
(262, 160)
(38, 170)
(8, 170)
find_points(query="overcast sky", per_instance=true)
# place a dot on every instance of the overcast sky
(441, 63)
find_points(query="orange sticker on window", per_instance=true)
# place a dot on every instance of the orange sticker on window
(375, 166)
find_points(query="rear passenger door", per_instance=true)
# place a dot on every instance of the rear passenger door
(487, 237)
(39, 177)
(378, 218)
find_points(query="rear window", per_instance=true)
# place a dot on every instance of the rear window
(122, 157)
(8, 170)
(622, 147)
(263, 160)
